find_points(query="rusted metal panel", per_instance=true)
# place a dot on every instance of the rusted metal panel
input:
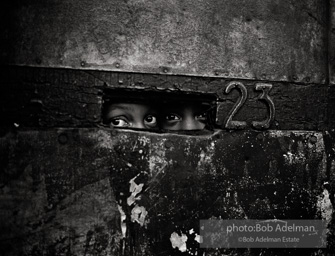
(265, 40)
(108, 192)
(44, 97)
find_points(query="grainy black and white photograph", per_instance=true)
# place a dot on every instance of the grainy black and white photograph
(167, 127)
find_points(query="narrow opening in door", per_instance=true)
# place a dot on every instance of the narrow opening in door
(159, 111)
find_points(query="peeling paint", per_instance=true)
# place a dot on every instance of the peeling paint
(138, 214)
(134, 190)
(122, 221)
(197, 237)
(325, 206)
(178, 241)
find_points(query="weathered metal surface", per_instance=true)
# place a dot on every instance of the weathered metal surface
(41, 97)
(332, 42)
(264, 40)
(108, 192)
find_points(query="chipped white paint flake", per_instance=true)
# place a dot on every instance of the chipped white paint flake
(325, 206)
(134, 189)
(123, 221)
(138, 214)
(178, 241)
(197, 237)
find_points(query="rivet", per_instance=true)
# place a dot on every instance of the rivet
(294, 77)
(168, 144)
(83, 63)
(313, 139)
(62, 138)
(165, 70)
(263, 76)
(216, 73)
(120, 81)
(117, 65)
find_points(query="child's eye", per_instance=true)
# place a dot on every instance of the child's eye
(119, 122)
(201, 117)
(172, 117)
(150, 121)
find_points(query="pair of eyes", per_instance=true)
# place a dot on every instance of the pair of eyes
(149, 121)
(172, 117)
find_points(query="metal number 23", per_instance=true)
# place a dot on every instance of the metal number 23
(265, 88)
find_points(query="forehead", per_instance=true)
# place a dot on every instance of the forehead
(189, 106)
(128, 108)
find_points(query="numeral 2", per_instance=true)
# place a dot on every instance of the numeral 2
(229, 123)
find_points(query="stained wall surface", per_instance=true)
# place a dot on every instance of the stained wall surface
(71, 185)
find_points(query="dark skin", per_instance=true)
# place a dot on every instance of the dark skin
(131, 115)
(177, 116)
(187, 116)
